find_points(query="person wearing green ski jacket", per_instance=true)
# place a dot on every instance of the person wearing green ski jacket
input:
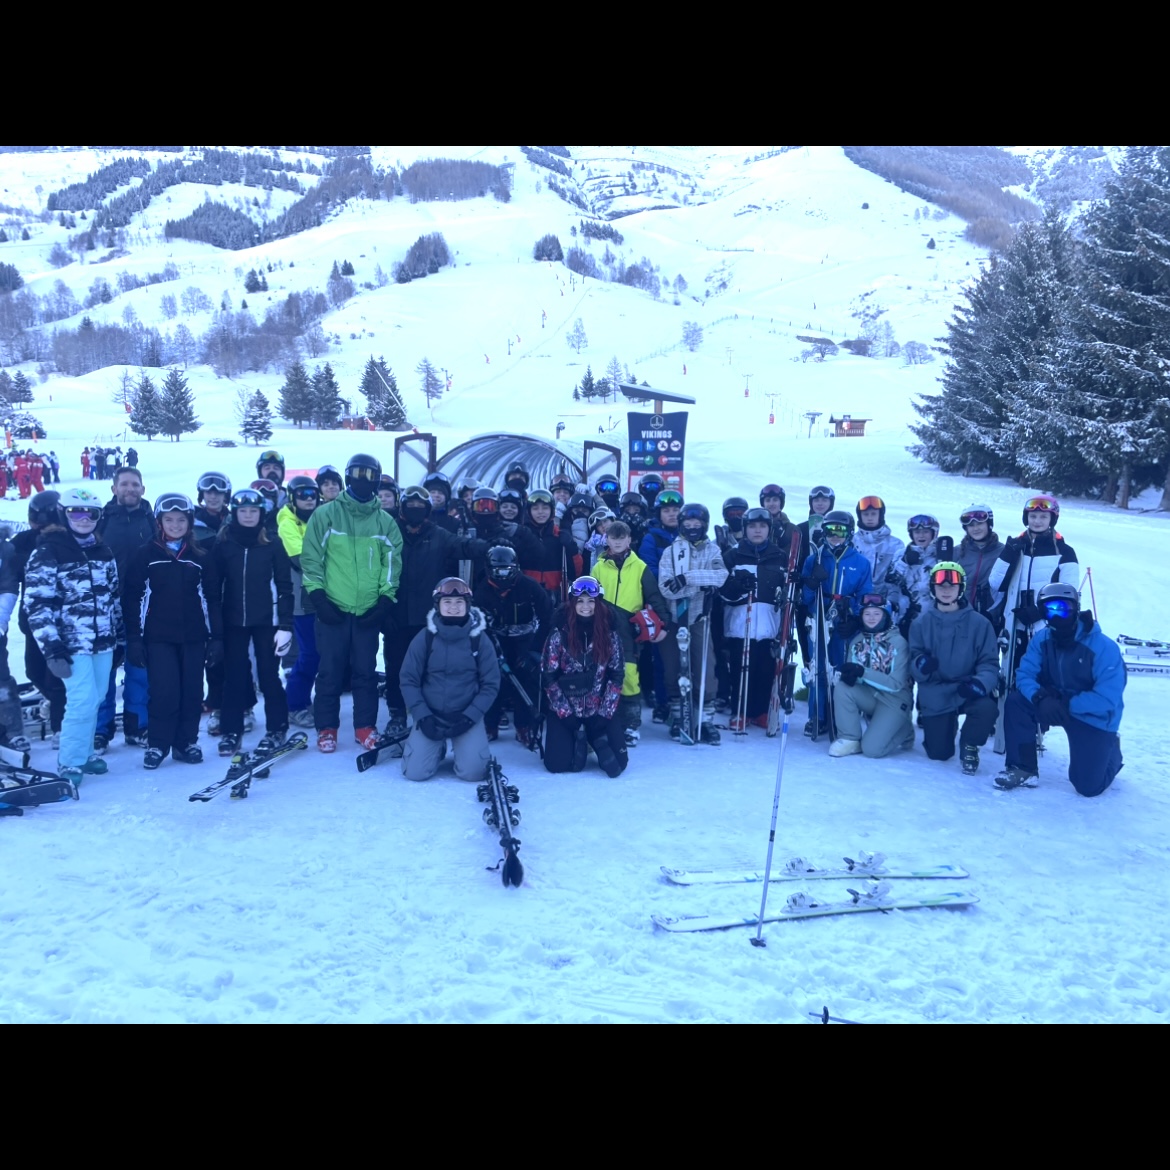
(351, 562)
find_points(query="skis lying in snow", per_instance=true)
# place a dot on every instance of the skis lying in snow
(248, 766)
(1152, 644)
(367, 760)
(798, 869)
(22, 788)
(500, 797)
(874, 896)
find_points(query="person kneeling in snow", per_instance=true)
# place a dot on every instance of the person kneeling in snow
(450, 677)
(1071, 676)
(582, 671)
(874, 681)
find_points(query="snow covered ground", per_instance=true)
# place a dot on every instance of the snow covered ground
(331, 896)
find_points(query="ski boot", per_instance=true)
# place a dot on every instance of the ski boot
(709, 734)
(213, 723)
(95, 766)
(100, 743)
(969, 757)
(229, 744)
(1014, 776)
(302, 718)
(366, 738)
(327, 740)
(153, 757)
(272, 741)
(190, 753)
(661, 713)
(632, 737)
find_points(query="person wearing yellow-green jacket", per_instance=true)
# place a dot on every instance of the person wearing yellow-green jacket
(351, 559)
(641, 611)
(291, 522)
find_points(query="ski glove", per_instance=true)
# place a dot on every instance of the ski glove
(819, 573)
(896, 580)
(282, 641)
(972, 688)
(675, 584)
(742, 583)
(326, 610)
(136, 653)
(378, 613)
(432, 728)
(1050, 709)
(850, 672)
(1028, 615)
(60, 667)
(460, 725)
(214, 652)
(926, 663)
(911, 557)
(1012, 548)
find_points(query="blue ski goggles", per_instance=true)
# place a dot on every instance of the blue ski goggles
(1058, 607)
(586, 587)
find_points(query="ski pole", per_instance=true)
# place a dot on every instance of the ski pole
(1092, 594)
(758, 941)
(825, 1018)
(706, 620)
(745, 667)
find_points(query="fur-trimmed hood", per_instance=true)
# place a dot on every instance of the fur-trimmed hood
(478, 621)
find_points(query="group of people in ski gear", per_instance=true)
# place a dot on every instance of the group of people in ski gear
(568, 608)
(103, 462)
(27, 471)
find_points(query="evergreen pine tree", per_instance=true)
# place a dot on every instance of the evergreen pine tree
(431, 385)
(383, 400)
(178, 407)
(327, 404)
(296, 395)
(146, 417)
(257, 424)
(5, 388)
(21, 388)
(588, 385)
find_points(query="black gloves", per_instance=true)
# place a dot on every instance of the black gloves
(1012, 548)
(1051, 709)
(136, 653)
(819, 573)
(376, 615)
(741, 583)
(926, 663)
(460, 725)
(326, 610)
(432, 728)
(972, 688)
(576, 685)
(912, 557)
(214, 652)
(675, 584)
(1028, 614)
(850, 673)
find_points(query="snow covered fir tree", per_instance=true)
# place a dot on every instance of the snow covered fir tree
(257, 424)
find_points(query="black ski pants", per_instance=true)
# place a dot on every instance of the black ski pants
(394, 653)
(41, 677)
(237, 685)
(566, 742)
(938, 731)
(761, 671)
(346, 647)
(174, 671)
(516, 655)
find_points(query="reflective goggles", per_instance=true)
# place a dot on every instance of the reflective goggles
(669, 499)
(867, 502)
(1041, 504)
(822, 493)
(1058, 607)
(540, 496)
(946, 577)
(359, 472)
(837, 531)
(453, 587)
(586, 587)
(270, 457)
(306, 493)
(923, 522)
(872, 599)
(214, 482)
(94, 514)
(485, 507)
(977, 517)
(607, 487)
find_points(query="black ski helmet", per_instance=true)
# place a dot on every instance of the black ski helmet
(562, 482)
(247, 498)
(437, 481)
(667, 498)
(508, 495)
(176, 502)
(843, 518)
(734, 509)
(412, 496)
(485, 501)
(212, 481)
(329, 472)
(452, 587)
(517, 471)
(694, 512)
(42, 508)
(579, 503)
(868, 502)
(270, 457)
(298, 486)
(772, 489)
(820, 492)
(501, 564)
(758, 516)
(607, 486)
(649, 486)
(363, 467)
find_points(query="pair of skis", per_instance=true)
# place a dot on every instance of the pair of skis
(874, 894)
(786, 642)
(502, 815)
(248, 766)
(1145, 655)
(24, 787)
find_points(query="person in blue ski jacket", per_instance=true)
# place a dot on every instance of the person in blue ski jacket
(1071, 676)
(842, 577)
